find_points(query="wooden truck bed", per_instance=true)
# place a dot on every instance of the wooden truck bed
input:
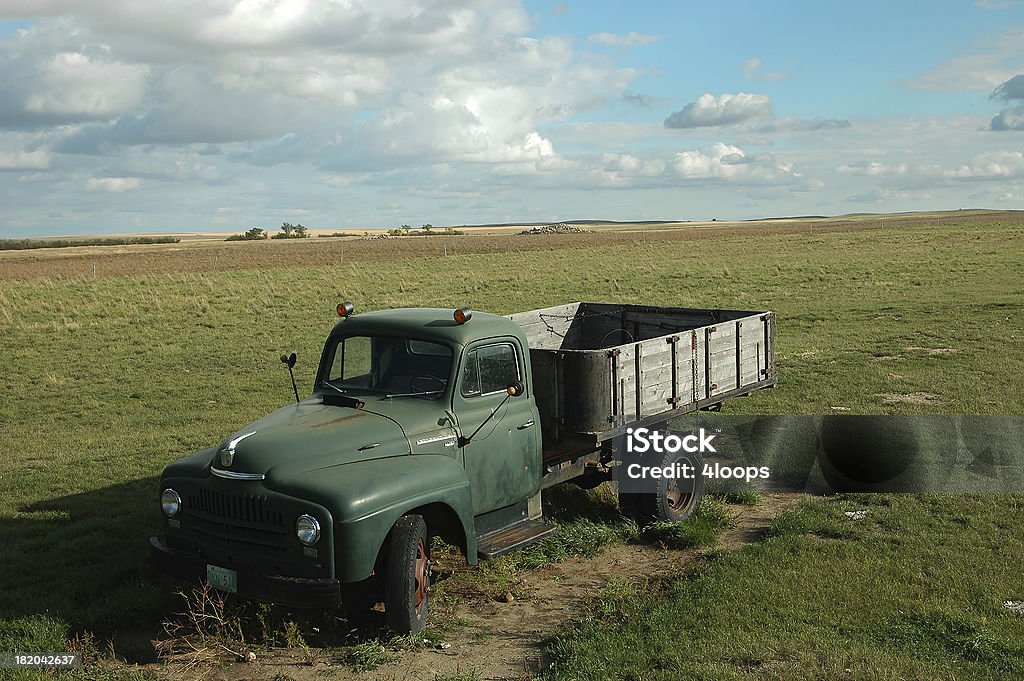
(598, 368)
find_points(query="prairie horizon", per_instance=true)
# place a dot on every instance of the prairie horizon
(596, 224)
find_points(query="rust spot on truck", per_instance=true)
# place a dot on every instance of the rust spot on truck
(340, 419)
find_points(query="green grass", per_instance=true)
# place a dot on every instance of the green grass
(108, 380)
(698, 531)
(914, 591)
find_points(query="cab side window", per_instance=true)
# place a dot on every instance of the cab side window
(490, 369)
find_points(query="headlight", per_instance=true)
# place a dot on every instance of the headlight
(307, 529)
(170, 502)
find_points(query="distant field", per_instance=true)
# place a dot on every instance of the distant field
(170, 348)
(207, 252)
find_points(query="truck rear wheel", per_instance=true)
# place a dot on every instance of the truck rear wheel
(674, 499)
(407, 575)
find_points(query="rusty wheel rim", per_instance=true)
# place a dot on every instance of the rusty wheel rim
(422, 569)
(678, 497)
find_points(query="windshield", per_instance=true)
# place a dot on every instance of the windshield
(395, 367)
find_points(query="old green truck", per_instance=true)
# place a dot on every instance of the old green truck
(449, 423)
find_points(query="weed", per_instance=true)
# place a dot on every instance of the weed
(699, 530)
(367, 656)
(293, 635)
(207, 630)
(743, 498)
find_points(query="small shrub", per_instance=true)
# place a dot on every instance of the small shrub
(26, 244)
(254, 234)
(368, 656)
(699, 530)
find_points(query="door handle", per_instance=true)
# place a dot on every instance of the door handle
(528, 424)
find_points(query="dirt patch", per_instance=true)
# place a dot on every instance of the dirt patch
(910, 398)
(505, 640)
(931, 352)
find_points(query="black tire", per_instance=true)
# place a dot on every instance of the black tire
(674, 499)
(407, 575)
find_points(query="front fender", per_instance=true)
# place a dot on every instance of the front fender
(367, 497)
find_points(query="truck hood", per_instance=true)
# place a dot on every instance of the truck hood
(309, 436)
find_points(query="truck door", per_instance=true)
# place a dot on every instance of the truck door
(503, 460)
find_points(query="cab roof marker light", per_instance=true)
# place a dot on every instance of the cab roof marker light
(462, 315)
(345, 309)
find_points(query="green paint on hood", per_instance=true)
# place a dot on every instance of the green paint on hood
(312, 435)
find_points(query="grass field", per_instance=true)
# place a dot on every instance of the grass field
(108, 379)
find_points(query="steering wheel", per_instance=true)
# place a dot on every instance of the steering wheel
(426, 384)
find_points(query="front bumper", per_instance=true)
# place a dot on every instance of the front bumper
(296, 592)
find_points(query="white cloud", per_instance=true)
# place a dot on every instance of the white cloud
(752, 70)
(191, 71)
(631, 39)
(1010, 90)
(721, 160)
(113, 184)
(628, 170)
(1008, 119)
(995, 59)
(750, 66)
(476, 113)
(993, 165)
(752, 110)
(726, 161)
(80, 86)
(306, 82)
(708, 110)
(24, 160)
(872, 168)
(1013, 117)
(796, 124)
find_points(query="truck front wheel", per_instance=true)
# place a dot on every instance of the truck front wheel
(407, 575)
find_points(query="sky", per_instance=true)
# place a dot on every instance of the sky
(221, 115)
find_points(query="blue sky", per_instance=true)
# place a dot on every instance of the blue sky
(226, 114)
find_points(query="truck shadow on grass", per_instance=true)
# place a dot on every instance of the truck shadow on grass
(79, 564)
(77, 567)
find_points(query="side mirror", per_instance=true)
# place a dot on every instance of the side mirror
(289, 361)
(516, 389)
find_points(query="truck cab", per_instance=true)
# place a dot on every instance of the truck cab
(421, 422)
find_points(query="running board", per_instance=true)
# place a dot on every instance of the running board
(512, 538)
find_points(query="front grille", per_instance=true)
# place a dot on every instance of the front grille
(245, 509)
(221, 520)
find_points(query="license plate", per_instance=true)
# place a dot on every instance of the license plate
(222, 579)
